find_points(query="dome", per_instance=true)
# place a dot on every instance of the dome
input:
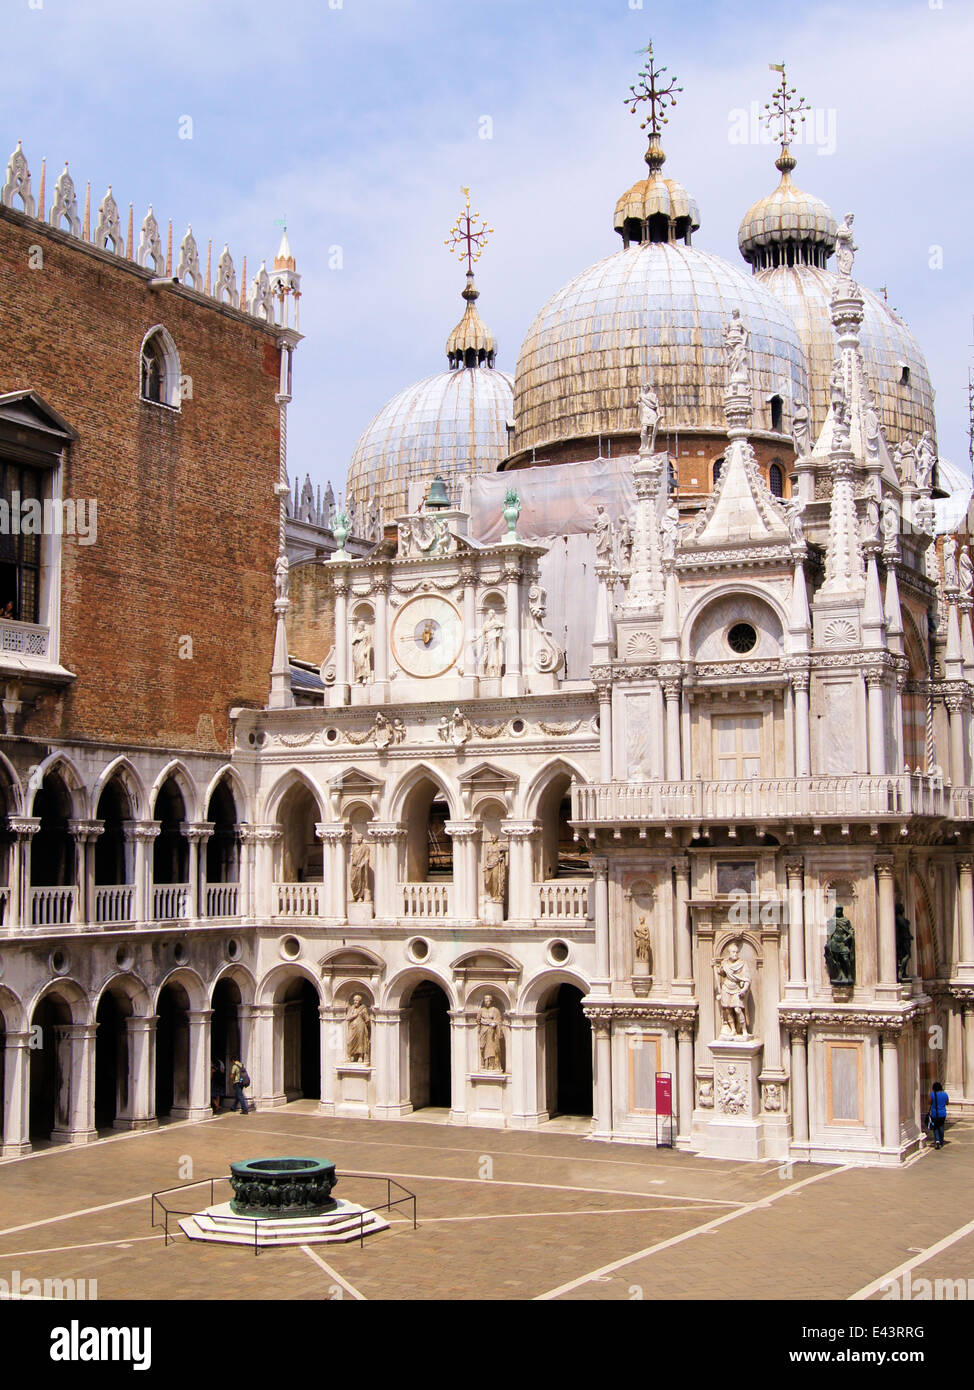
(895, 368)
(656, 311)
(454, 424)
(787, 225)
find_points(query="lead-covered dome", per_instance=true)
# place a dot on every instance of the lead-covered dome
(654, 312)
(788, 225)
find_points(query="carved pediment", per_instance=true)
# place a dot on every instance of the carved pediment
(351, 962)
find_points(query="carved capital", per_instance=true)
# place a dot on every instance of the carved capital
(885, 868)
(24, 827)
(600, 866)
(197, 832)
(461, 829)
(800, 680)
(330, 833)
(520, 829)
(794, 868)
(143, 831)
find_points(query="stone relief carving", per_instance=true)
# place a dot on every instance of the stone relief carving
(705, 1095)
(733, 1091)
(772, 1096)
(455, 730)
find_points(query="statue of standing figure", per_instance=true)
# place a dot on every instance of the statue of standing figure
(951, 578)
(733, 986)
(603, 536)
(489, 1035)
(801, 430)
(625, 542)
(281, 576)
(845, 247)
(643, 945)
(358, 1031)
(669, 529)
(926, 458)
(649, 418)
(492, 635)
(840, 949)
(362, 653)
(904, 944)
(965, 573)
(359, 872)
(495, 870)
(735, 350)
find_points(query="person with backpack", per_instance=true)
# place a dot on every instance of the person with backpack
(938, 1114)
(238, 1080)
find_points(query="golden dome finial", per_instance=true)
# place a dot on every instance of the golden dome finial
(783, 115)
(470, 344)
(466, 238)
(648, 88)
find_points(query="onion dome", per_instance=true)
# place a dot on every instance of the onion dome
(788, 227)
(471, 344)
(656, 209)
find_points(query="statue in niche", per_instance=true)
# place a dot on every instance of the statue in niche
(489, 1035)
(840, 949)
(649, 418)
(492, 635)
(926, 458)
(733, 976)
(603, 536)
(642, 947)
(904, 944)
(625, 542)
(735, 350)
(845, 247)
(495, 870)
(801, 430)
(358, 1031)
(950, 563)
(362, 653)
(360, 865)
(965, 573)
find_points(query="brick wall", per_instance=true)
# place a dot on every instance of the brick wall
(311, 619)
(187, 519)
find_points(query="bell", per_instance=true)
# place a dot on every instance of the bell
(437, 494)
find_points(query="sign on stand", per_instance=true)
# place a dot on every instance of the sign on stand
(665, 1124)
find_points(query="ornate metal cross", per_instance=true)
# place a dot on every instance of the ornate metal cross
(783, 111)
(466, 237)
(648, 88)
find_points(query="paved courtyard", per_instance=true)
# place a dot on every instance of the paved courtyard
(502, 1215)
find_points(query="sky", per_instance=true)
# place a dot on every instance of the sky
(359, 121)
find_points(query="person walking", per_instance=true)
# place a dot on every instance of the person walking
(238, 1080)
(217, 1085)
(938, 1113)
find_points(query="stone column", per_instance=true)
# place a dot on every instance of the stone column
(968, 1026)
(266, 839)
(460, 1025)
(332, 1054)
(197, 833)
(261, 1064)
(520, 868)
(600, 875)
(524, 1071)
(604, 692)
(671, 694)
(511, 684)
(799, 1085)
(339, 691)
(380, 645)
(246, 1017)
(965, 909)
(890, 1086)
(16, 1094)
(24, 828)
(143, 835)
(803, 757)
(248, 842)
(797, 986)
(466, 906)
(602, 1067)
(140, 1041)
(388, 840)
(877, 723)
(957, 706)
(335, 840)
(85, 833)
(385, 1056)
(76, 1052)
(886, 985)
(683, 925)
(199, 1063)
(684, 1082)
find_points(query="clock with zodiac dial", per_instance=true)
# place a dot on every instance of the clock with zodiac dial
(427, 636)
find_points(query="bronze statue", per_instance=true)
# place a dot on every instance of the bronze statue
(904, 944)
(840, 949)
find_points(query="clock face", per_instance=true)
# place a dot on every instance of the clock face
(427, 636)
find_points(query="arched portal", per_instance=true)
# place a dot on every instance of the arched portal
(301, 1036)
(429, 849)
(301, 850)
(561, 857)
(111, 1059)
(50, 1068)
(224, 1036)
(52, 854)
(170, 853)
(565, 1036)
(428, 1033)
(172, 1051)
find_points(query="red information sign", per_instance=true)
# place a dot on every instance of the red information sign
(664, 1093)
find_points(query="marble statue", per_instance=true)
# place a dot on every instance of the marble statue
(733, 987)
(360, 864)
(840, 949)
(381, 732)
(398, 731)
(870, 521)
(845, 247)
(950, 563)
(642, 943)
(965, 573)
(603, 536)
(489, 1035)
(625, 542)
(924, 516)
(669, 532)
(890, 518)
(459, 729)
(904, 460)
(801, 430)
(358, 1031)
(926, 458)
(362, 653)
(904, 944)
(495, 870)
(492, 635)
(649, 418)
(281, 576)
(735, 349)
(793, 520)
(405, 539)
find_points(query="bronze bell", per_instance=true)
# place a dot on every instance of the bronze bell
(437, 494)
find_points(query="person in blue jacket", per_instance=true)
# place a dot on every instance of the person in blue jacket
(938, 1113)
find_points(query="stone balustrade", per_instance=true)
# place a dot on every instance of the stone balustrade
(53, 907)
(426, 900)
(221, 900)
(170, 902)
(114, 903)
(563, 901)
(299, 899)
(817, 798)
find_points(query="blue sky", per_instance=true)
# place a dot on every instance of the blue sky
(360, 120)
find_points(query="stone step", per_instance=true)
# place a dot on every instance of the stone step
(219, 1225)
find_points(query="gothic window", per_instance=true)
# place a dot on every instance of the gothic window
(776, 481)
(159, 377)
(20, 553)
(737, 746)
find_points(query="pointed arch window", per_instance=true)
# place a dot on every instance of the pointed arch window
(159, 374)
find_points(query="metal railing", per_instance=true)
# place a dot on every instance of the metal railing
(387, 1205)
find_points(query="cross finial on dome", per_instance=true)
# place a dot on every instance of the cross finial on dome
(659, 95)
(783, 114)
(466, 237)
(471, 343)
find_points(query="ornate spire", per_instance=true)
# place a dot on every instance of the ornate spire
(655, 209)
(783, 115)
(471, 344)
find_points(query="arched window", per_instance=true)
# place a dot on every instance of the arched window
(776, 481)
(777, 414)
(159, 370)
(718, 465)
